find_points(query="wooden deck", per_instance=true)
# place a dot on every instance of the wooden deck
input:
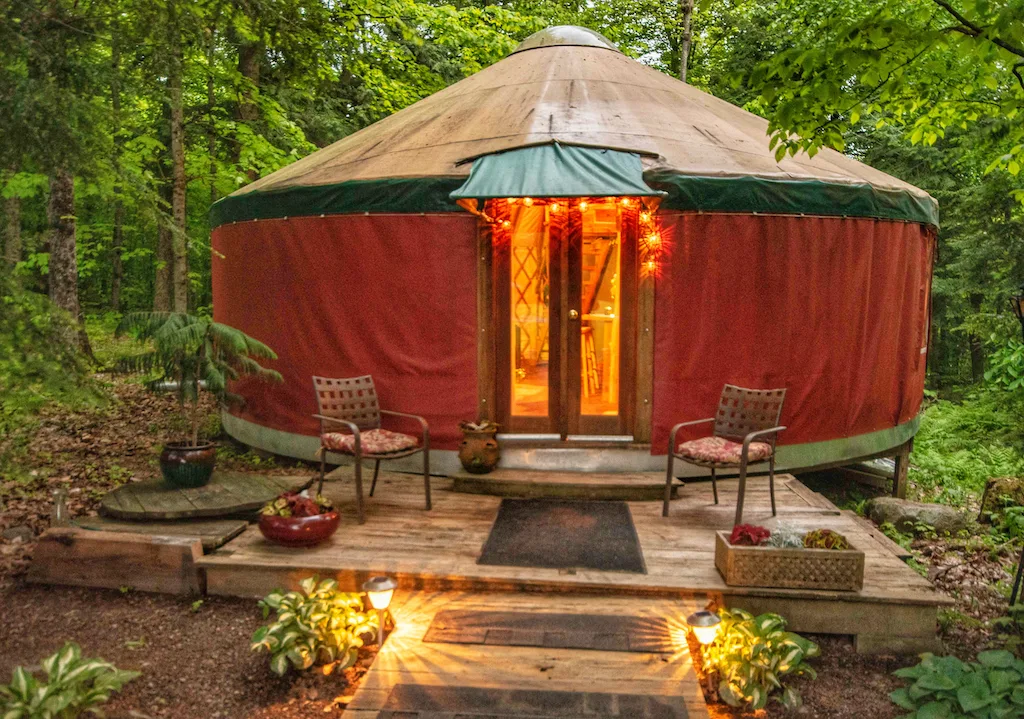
(437, 551)
(407, 659)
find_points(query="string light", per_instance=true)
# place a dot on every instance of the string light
(512, 200)
(645, 216)
(653, 240)
(555, 207)
(506, 224)
(583, 205)
(528, 201)
(626, 202)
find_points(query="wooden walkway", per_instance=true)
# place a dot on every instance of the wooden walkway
(407, 660)
(437, 551)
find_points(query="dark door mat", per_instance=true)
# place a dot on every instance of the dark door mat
(564, 534)
(603, 632)
(415, 701)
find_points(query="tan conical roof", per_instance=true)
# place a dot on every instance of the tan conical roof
(572, 93)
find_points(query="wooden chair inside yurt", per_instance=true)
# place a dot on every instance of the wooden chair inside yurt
(350, 404)
(744, 432)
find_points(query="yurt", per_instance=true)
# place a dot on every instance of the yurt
(583, 250)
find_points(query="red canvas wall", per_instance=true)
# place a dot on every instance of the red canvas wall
(834, 309)
(393, 296)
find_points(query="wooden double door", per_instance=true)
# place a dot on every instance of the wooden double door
(565, 281)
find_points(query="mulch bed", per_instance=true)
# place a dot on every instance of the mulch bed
(195, 662)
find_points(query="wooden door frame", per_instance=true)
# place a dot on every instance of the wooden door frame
(494, 338)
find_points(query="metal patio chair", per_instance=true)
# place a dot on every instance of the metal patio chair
(352, 404)
(743, 416)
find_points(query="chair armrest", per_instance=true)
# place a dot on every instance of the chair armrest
(675, 430)
(423, 423)
(760, 433)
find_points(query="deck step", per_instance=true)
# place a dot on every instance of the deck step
(524, 483)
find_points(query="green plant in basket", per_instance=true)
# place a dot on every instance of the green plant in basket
(825, 539)
(297, 504)
(317, 625)
(753, 656)
(74, 686)
(947, 688)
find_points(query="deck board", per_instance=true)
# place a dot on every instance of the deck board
(437, 550)
(407, 659)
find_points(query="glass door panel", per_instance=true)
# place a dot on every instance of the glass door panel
(530, 315)
(600, 310)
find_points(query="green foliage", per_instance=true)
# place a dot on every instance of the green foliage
(753, 657)
(948, 688)
(825, 539)
(196, 353)
(961, 445)
(1010, 629)
(1006, 364)
(317, 625)
(74, 686)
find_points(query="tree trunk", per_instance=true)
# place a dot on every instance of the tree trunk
(12, 231)
(977, 351)
(63, 272)
(117, 239)
(178, 180)
(250, 57)
(684, 49)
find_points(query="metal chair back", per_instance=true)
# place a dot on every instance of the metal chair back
(352, 399)
(742, 411)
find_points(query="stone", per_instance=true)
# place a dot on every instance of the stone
(998, 488)
(18, 534)
(906, 516)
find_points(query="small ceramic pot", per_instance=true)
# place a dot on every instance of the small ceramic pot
(186, 466)
(299, 531)
(479, 451)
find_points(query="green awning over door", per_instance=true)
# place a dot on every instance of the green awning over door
(555, 171)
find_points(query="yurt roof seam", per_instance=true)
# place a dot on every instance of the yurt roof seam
(685, 192)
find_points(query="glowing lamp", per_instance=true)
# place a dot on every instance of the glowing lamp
(380, 590)
(704, 625)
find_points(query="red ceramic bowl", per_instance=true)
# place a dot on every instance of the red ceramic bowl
(299, 531)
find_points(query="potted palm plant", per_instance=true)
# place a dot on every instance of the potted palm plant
(190, 355)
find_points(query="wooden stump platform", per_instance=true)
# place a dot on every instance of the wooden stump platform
(228, 494)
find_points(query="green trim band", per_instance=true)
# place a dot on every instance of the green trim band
(791, 197)
(791, 457)
(685, 192)
(412, 195)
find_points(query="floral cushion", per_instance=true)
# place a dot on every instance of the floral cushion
(720, 450)
(371, 441)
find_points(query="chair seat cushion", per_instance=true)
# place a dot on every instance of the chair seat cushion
(719, 450)
(372, 441)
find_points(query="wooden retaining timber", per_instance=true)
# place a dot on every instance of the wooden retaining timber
(437, 551)
(113, 560)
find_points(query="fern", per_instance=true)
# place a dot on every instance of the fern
(196, 354)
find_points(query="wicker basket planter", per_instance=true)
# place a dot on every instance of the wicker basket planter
(789, 568)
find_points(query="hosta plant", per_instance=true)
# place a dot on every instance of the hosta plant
(947, 688)
(297, 504)
(74, 686)
(754, 656)
(317, 625)
(748, 535)
(825, 539)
